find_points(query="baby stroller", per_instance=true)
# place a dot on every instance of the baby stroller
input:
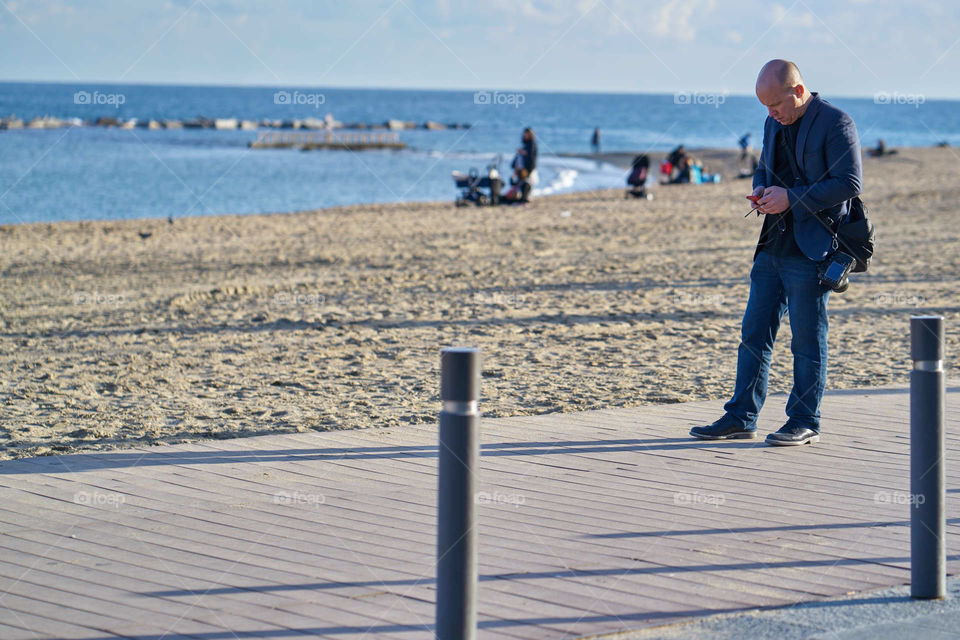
(472, 185)
(637, 180)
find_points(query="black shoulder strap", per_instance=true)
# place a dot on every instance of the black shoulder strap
(797, 174)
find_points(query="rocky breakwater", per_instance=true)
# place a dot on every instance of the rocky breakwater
(328, 123)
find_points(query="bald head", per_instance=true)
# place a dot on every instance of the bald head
(781, 74)
(781, 89)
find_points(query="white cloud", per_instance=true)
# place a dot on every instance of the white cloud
(782, 16)
(549, 12)
(40, 13)
(545, 12)
(674, 19)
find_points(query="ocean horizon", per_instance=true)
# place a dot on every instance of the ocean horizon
(274, 87)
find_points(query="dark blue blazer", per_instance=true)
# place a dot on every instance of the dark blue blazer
(828, 155)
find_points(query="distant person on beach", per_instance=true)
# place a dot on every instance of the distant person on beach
(683, 171)
(675, 156)
(519, 192)
(525, 166)
(595, 141)
(744, 143)
(529, 150)
(690, 170)
(881, 150)
(747, 162)
(674, 160)
(784, 275)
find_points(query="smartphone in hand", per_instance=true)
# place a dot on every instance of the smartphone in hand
(754, 199)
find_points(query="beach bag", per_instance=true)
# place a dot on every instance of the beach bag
(857, 235)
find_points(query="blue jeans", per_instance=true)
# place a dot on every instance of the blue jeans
(779, 285)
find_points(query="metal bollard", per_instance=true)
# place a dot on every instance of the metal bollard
(456, 617)
(928, 556)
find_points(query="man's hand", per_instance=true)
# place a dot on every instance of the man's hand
(774, 200)
(756, 194)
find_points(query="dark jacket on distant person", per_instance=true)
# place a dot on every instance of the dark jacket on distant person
(530, 155)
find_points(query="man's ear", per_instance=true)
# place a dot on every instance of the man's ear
(799, 90)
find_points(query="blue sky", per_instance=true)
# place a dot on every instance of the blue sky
(849, 48)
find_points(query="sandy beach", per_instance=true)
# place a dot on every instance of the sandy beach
(217, 327)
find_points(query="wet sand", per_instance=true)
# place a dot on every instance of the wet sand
(230, 326)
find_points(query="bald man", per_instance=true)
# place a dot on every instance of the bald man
(826, 150)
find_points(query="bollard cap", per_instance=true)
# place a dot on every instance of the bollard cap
(460, 374)
(926, 338)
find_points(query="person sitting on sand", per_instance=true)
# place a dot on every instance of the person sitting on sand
(683, 171)
(784, 276)
(690, 171)
(519, 193)
(673, 161)
(880, 150)
(677, 155)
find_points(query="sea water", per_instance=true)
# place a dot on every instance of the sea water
(89, 173)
